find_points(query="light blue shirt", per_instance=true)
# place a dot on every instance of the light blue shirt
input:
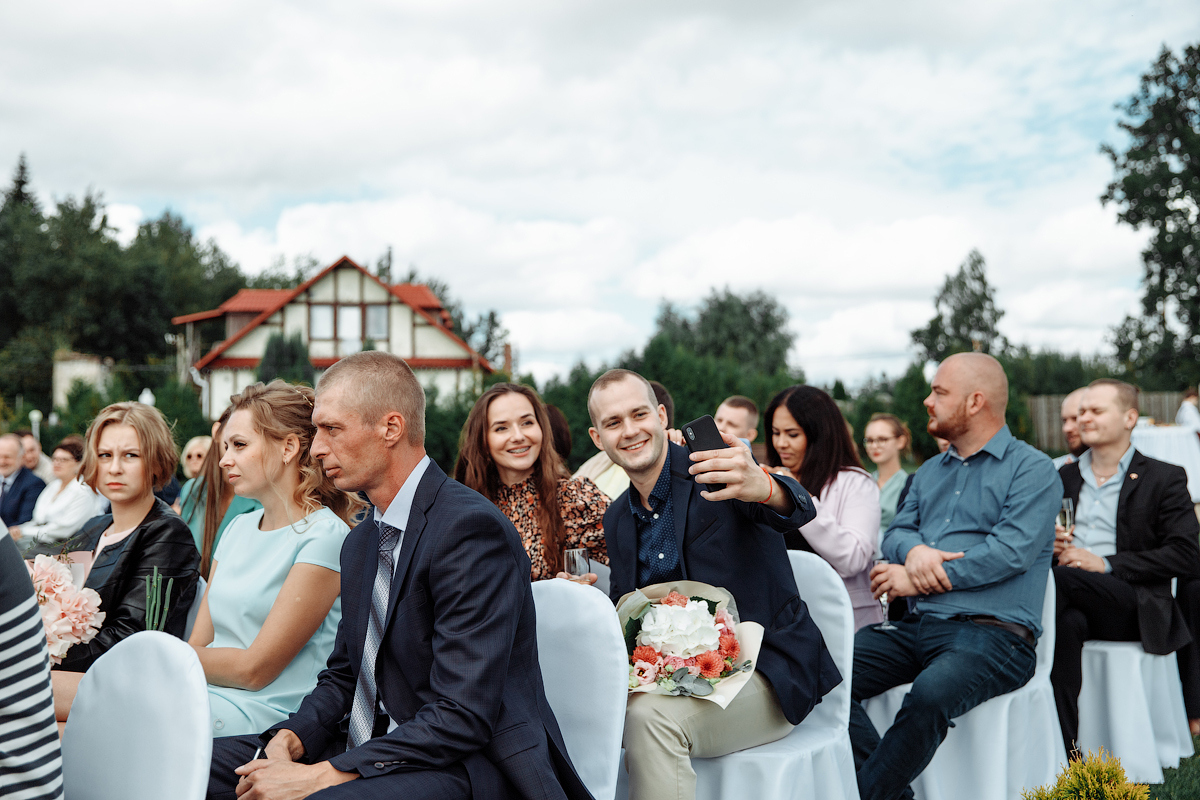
(1096, 514)
(401, 506)
(998, 507)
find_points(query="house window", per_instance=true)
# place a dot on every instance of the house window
(349, 324)
(377, 323)
(320, 322)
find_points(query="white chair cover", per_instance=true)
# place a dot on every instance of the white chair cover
(815, 759)
(578, 634)
(194, 611)
(1131, 704)
(139, 728)
(999, 748)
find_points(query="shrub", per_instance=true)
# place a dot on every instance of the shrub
(1096, 777)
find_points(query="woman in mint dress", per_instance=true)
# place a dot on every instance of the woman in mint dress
(886, 440)
(267, 623)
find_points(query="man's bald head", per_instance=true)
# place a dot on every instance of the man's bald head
(979, 372)
(967, 401)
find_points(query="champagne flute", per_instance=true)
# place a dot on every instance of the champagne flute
(1066, 514)
(883, 601)
(575, 563)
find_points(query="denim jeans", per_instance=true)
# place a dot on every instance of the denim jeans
(953, 665)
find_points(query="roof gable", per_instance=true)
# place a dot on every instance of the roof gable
(270, 301)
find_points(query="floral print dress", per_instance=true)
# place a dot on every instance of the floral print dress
(582, 505)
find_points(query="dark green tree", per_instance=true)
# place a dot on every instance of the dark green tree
(22, 242)
(966, 315)
(1156, 184)
(286, 357)
(750, 329)
(908, 403)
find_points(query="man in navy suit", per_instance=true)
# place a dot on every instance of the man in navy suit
(669, 525)
(19, 488)
(433, 688)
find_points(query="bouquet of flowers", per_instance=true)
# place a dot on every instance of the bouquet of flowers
(684, 639)
(69, 615)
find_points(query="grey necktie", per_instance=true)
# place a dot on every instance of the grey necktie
(366, 694)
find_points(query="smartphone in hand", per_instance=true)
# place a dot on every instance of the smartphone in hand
(700, 435)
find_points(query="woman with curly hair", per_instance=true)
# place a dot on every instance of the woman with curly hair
(269, 616)
(505, 453)
(808, 438)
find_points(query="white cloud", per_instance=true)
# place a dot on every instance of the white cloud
(570, 164)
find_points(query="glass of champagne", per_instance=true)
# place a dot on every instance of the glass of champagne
(883, 601)
(1066, 514)
(575, 563)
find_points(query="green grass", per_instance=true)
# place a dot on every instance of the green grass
(1182, 783)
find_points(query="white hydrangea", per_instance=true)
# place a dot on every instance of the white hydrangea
(683, 631)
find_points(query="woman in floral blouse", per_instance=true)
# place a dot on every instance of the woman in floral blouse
(506, 454)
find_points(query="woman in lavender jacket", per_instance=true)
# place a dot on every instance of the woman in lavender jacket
(808, 438)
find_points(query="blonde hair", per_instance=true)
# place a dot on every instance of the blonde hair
(279, 410)
(157, 447)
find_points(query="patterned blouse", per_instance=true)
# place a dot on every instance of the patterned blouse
(583, 506)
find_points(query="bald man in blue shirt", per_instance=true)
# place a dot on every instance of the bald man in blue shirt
(972, 543)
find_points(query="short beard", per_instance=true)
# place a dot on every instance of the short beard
(953, 427)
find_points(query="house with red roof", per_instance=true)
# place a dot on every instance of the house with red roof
(336, 311)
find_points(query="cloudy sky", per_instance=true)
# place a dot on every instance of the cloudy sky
(571, 164)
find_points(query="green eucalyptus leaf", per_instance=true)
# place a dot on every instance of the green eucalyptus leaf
(702, 688)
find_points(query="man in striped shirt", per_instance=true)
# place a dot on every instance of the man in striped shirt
(30, 759)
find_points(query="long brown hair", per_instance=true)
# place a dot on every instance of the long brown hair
(476, 469)
(830, 446)
(280, 409)
(213, 491)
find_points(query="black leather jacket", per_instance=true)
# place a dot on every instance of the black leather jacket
(119, 576)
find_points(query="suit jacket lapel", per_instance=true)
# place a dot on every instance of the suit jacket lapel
(427, 491)
(1133, 479)
(682, 487)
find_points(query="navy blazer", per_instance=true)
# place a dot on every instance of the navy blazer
(739, 547)
(21, 497)
(458, 666)
(1156, 540)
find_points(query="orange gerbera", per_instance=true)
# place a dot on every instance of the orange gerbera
(710, 663)
(644, 652)
(674, 599)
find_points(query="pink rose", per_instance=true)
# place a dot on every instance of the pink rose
(645, 672)
(724, 620)
(672, 663)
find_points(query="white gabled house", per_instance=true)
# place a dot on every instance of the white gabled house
(335, 311)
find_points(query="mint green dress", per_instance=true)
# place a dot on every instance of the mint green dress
(251, 568)
(191, 508)
(889, 496)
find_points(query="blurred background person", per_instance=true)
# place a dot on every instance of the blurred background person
(600, 469)
(193, 455)
(208, 503)
(809, 440)
(129, 453)
(1070, 429)
(269, 616)
(34, 459)
(738, 416)
(887, 440)
(561, 430)
(504, 455)
(19, 487)
(62, 507)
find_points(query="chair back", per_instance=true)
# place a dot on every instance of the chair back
(194, 611)
(140, 726)
(1045, 644)
(829, 604)
(586, 674)
(603, 573)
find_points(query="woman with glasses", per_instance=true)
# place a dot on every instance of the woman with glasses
(888, 440)
(808, 439)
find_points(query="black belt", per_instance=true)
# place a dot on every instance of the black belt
(1011, 627)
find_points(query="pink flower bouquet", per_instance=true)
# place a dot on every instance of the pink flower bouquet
(684, 639)
(69, 615)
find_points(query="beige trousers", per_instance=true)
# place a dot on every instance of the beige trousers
(663, 734)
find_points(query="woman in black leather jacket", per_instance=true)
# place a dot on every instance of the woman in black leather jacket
(129, 454)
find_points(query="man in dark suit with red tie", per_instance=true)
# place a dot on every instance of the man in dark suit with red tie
(433, 688)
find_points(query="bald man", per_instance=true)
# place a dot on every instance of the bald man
(972, 544)
(1070, 429)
